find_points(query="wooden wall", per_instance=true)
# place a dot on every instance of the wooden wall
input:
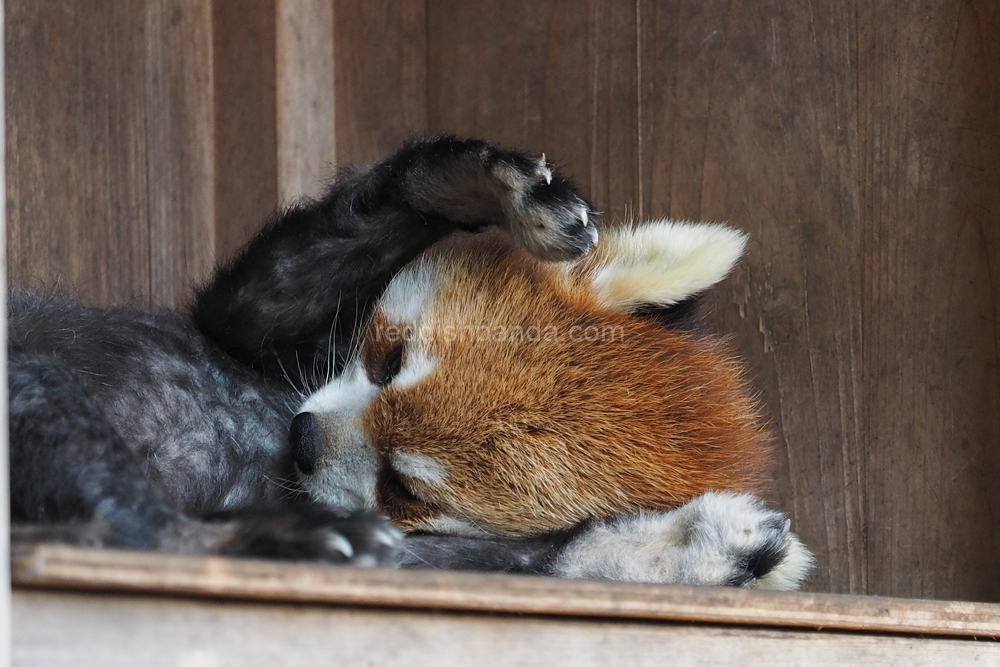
(858, 142)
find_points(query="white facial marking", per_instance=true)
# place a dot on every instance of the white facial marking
(349, 392)
(418, 365)
(347, 468)
(408, 295)
(419, 467)
(583, 216)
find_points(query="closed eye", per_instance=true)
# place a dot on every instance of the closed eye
(391, 366)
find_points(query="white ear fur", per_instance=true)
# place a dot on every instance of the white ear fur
(661, 262)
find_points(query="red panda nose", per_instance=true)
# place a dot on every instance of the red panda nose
(304, 439)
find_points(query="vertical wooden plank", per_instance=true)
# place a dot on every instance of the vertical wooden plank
(305, 88)
(557, 76)
(864, 163)
(679, 44)
(111, 158)
(613, 63)
(381, 76)
(244, 91)
(567, 91)
(180, 151)
(929, 122)
(486, 69)
(78, 202)
(752, 136)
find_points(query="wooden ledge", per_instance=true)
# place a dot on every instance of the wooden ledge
(70, 568)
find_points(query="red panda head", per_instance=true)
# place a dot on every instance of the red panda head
(494, 393)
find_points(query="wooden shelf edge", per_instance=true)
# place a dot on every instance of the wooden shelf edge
(74, 568)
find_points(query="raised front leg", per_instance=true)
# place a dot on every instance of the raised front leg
(291, 301)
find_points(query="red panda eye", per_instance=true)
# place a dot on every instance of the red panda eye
(391, 365)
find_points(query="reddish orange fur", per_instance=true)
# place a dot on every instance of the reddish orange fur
(538, 435)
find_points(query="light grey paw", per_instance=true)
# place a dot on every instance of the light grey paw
(718, 539)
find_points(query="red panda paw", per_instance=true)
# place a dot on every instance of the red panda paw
(717, 539)
(542, 209)
(361, 538)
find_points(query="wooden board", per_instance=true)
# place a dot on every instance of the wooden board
(305, 89)
(139, 572)
(179, 125)
(75, 149)
(380, 56)
(77, 630)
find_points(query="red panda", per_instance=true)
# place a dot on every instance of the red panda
(494, 393)
(515, 403)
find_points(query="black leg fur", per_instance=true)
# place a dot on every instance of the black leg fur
(136, 429)
(307, 280)
(529, 555)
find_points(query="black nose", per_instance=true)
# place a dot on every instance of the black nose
(304, 439)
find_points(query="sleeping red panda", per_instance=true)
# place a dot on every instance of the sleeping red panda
(512, 396)
(513, 402)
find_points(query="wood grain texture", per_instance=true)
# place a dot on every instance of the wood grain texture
(77, 191)
(930, 207)
(109, 147)
(381, 76)
(68, 568)
(305, 86)
(246, 144)
(557, 76)
(181, 157)
(108, 630)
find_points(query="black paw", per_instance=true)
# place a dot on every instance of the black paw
(475, 183)
(351, 537)
(542, 209)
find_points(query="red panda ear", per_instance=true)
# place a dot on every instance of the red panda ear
(659, 262)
